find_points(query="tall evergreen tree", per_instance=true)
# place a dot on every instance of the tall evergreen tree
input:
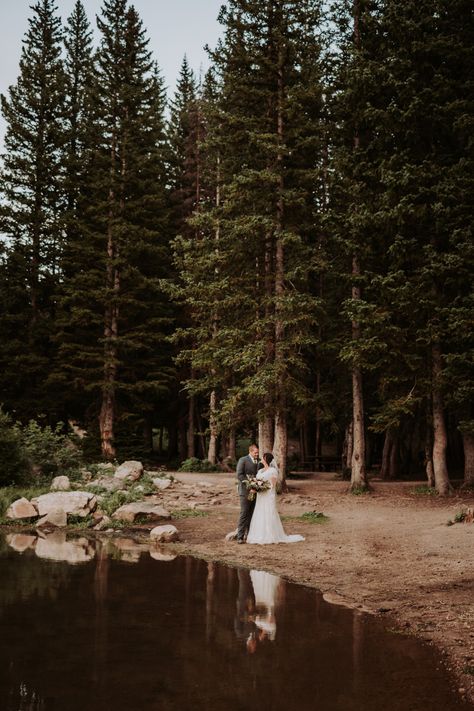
(254, 286)
(115, 318)
(31, 211)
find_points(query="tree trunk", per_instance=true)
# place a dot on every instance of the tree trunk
(212, 449)
(265, 435)
(468, 444)
(190, 438)
(280, 446)
(440, 437)
(348, 447)
(394, 458)
(387, 446)
(358, 472)
(112, 282)
(281, 436)
(231, 454)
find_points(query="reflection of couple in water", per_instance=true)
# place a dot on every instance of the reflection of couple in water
(255, 614)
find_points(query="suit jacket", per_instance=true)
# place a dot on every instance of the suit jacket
(245, 467)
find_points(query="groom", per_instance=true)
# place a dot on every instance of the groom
(246, 466)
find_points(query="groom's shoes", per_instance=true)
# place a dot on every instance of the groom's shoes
(240, 540)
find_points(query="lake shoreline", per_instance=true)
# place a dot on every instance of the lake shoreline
(388, 553)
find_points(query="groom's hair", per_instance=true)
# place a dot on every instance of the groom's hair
(268, 457)
(253, 446)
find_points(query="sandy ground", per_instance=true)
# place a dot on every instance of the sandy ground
(389, 552)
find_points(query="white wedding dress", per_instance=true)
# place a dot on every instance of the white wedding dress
(265, 526)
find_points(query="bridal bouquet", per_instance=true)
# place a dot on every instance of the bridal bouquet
(255, 486)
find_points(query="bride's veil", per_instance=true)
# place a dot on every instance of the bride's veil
(275, 466)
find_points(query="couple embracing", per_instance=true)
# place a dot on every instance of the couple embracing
(260, 516)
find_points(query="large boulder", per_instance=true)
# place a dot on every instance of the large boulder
(164, 534)
(57, 518)
(76, 503)
(130, 471)
(21, 508)
(60, 483)
(149, 509)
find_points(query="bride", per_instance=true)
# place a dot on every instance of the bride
(265, 526)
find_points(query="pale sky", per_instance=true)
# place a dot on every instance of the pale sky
(175, 28)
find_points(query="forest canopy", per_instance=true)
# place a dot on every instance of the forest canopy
(281, 250)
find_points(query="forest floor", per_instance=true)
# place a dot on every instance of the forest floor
(389, 552)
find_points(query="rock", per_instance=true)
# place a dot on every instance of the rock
(158, 555)
(56, 547)
(164, 534)
(204, 483)
(20, 542)
(151, 510)
(103, 523)
(21, 508)
(131, 471)
(56, 518)
(109, 483)
(61, 483)
(232, 536)
(106, 466)
(161, 483)
(77, 503)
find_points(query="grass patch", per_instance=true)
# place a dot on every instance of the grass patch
(112, 501)
(460, 517)
(313, 517)
(468, 670)
(188, 513)
(424, 490)
(359, 490)
(80, 522)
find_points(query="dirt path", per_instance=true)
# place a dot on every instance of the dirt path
(389, 552)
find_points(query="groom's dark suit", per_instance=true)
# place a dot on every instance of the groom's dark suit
(245, 467)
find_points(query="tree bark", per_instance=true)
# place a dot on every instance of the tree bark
(468, 444)
(440, 437)
(358, 469)
(281, 435)
(190, 438)
(387, 446)
(212, 449)
(280, 446)
(265, 435)
(231, 445)
(348, 446)
(112, 281)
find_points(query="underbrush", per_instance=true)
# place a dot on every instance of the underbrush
(199, 465)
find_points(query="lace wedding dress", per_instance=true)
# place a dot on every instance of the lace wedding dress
(265, 526)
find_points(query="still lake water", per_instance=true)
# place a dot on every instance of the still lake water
(92, 626)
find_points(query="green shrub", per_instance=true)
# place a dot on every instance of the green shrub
(198, 465)
(48, 451)
(424, 489)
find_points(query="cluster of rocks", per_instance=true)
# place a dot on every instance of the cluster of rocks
(52, 510)
(55, 509)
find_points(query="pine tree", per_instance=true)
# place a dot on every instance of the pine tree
(32, 203)
(115, 319)
(267, 138)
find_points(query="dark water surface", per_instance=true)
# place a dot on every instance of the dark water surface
(90, 626)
